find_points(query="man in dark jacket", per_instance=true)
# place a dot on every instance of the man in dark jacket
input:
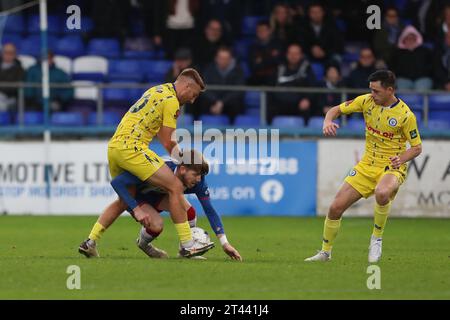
(224, 71)
(296, 72)
(365, 67)
(10, 71)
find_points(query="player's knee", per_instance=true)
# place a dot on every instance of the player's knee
(382, 195)
(336, 210)
(175, 187)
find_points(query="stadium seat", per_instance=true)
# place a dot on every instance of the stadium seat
(288, 122)
(32, 45)
(439, 102)
(86, 26)
(33, 118)
(414, 101)
(135, 54)
(106, 47)
(443, 115)
(355, 124)
(252, 112)
(437, 125)
(92, 68)
(129, 70)
(252, 99)
(110, 118)
(349, 57)
(67, 119)
(219, 120)
(246, 120)
(5, 118)
(64, 63)
(241, 48)
(13, 38)
(70, 46)
(53, 24)
(249, 23)
(185, 119)
(116, 94)
(26, 61)
(87, 92)
(318, 69)
(315, 122)
(14, 23)
(155, 70)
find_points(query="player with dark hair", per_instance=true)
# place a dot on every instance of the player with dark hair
(390, 124)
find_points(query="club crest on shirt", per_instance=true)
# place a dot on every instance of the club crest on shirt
(352, 173)
(392, 122)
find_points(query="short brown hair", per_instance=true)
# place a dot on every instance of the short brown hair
(386, 78)
(194, 75)
(194, 160)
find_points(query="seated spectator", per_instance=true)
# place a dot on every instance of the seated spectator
(296, 72)
(10, 71)
(58, 96)
(441, 64)
(323, 42)
(385, 39)
(264, 56)
(183, 60)
(208, 43)
(360, 73)
(224, 71)
(333, 80)
(411, 61)
(283, 27)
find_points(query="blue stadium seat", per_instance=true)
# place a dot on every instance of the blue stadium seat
(249, 24)
(246, 120)
(110, 118)
(14, 23)
(251, 99)
(125, 70)
(437, 125)
(136, 54)
(414, 101)
(316, 122)
(116, 94)
(33, 118)
(443, 115)
(67, 119)
(70, 46)
(288, 122)
(356, 124)
(5, 118)
(86, 26)
(106, 47)
(350, 57)
(14, 38)
(32, 45)
(252, 112)
(53, 24)
(210, 120)
(241, 49)
(155, 70)
(318, 69)
(185, 120)
(439, 102)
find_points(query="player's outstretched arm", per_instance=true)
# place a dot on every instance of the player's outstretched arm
(329, 127)
(167, 138)
(228, 248)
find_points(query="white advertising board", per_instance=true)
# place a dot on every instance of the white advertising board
(426, 192)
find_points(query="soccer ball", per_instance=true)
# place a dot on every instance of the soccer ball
(200, 235)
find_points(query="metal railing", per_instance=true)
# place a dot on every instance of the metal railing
(263, 91)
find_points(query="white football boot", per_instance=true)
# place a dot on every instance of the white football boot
(89, 249)
(151, 250)
(197, 249)
(320, 256)
(375, 249)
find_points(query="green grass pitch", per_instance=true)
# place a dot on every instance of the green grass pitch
(36, 251)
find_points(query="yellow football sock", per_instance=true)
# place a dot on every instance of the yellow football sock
(184, 232)
(330, 231)
(97, 232)
(380, 217)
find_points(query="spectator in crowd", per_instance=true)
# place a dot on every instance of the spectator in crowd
(411, 61)
(10, 71)
(264, 56)
(360, 73)
(295, 72)
(171, 23)
(228, 12)
(441, 64)
(59, 97)
(423, 16)
(182, 60)
(282, 24)
(208, 43)
(322, 40)
(332, 80)
(224, 71)
(385, 39)
(443, 25)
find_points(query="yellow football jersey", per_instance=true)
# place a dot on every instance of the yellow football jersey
(387, 128)
(157, 107)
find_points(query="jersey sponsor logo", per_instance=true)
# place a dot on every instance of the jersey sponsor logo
(352, 173)
(413, 134)
(384, 134)
(392, 122)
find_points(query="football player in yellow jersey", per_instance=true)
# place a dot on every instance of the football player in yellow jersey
(155, 113)
(389, 125)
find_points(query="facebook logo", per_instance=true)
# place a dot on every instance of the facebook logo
(272, 191)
